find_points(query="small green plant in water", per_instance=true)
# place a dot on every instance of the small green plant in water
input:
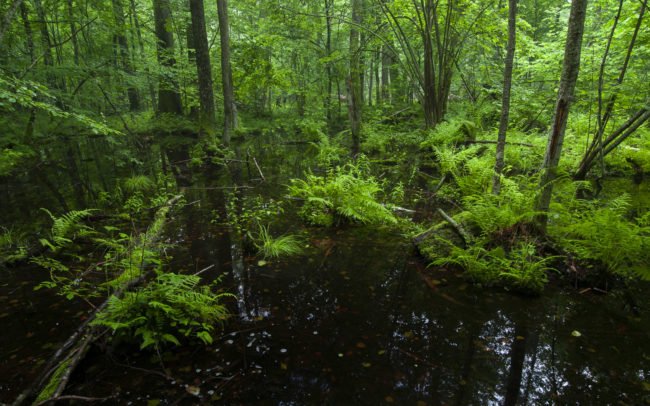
(170, 308)
(270, 247)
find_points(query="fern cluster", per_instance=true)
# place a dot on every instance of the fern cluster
(605, 236)
(344, 194)
(66, 228)
(170, 308)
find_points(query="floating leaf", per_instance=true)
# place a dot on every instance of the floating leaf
(576, 333)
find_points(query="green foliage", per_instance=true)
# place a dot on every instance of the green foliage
(492, 213)
(521, 269)
(270, 247)
(603, 235)
(139, 183)
(346, 193)
(525, 271)
(66, 228)
(168, 309)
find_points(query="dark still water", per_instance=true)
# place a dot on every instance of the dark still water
(357, 319)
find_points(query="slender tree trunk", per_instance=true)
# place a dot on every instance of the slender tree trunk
(385, 74)
(73, 28)
(136, 23)
(169, 100)
(123, 52)
(430, 91)
(28, 31)
(229, 108)
(204, 70)
(597, 144)
(354, 81)
(9, 15)
(505, 103)
(570, 69)
(328, 54)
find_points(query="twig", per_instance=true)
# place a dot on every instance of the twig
(203, 270)
(248, 152)
(73, 397)
(459, 229)
(523, 144)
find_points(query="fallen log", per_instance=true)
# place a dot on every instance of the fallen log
(56, 373)
(522, 144)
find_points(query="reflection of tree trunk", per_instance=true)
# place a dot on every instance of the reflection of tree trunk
(467, 366)
(517, 357)
(534, 343)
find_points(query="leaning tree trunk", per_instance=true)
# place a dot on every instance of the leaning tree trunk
(505, 103)
(570, 69)
(204, 70)
(229, 108)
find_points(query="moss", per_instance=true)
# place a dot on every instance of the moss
(53, 383)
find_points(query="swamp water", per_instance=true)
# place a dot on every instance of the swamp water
(358, 319)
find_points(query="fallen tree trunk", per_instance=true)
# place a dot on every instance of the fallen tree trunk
(54, 376)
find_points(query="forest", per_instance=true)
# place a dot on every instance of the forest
(324, 202)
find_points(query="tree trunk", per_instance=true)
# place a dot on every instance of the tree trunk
(328, 54)
(386, 63)
(9, 15)
(570, 69)
(505, 103)
(354, 81)
(136, 23)
(204, 70)
(229, 108)
(120, 41)
(169, 100)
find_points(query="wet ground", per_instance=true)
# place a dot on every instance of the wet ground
(357, 319)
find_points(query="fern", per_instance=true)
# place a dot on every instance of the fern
(347, 193)
(604, 236)
(66, 228)
(173, 306)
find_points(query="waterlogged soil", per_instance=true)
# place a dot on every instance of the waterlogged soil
(357, 319)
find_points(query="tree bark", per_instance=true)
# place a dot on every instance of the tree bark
(229, 107)
(169, 100)
(570, 70)
(9, 15)
(354, 81)
(204, 70)
(505, 103)
(123, 48)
